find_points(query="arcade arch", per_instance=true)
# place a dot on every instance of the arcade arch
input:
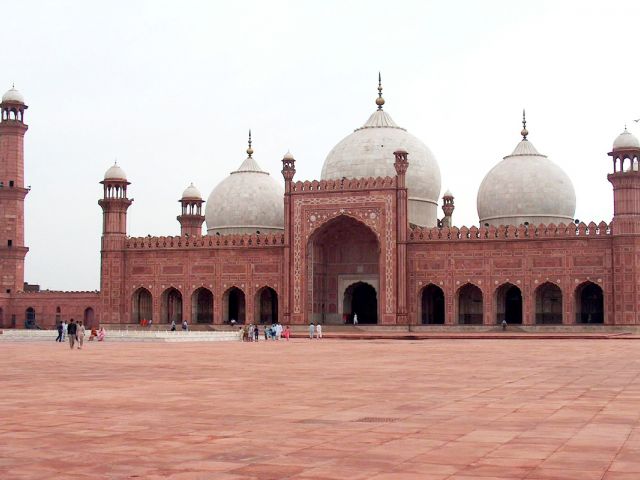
(470, 305)
(432, 305)
(171, 306)
(141, 305)
(266, 306)
(234, 305)
(548, 304)
(88, 318)
(508, 304)
(589, 303)
(202, 306)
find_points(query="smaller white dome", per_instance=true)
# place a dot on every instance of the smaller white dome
(13, 95)
(191, 192)
(115, 173)
(288, 156)
(625, 140)
(448, 194)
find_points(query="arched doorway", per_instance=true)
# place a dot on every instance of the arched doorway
(589, 303)
(141, 305)
(202, 306)
(89, 318)
(360, 298)
(548, 304)
(1, 317)
(171, 309)
(58, 315)
(470, 305)
(432, 305)
(266, 306)
(30, 318)
(340, 253)
(234, 306)
(509, 304)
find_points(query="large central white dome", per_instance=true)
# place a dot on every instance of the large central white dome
(368, 152)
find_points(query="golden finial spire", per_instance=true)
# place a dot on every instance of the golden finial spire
(524, 132)
(249, 149)
(379, 100)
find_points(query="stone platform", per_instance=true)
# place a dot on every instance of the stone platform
(428, 410)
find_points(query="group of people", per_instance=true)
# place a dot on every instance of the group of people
(75, 332)
(185, 326)
(251, 332)
(315, 330)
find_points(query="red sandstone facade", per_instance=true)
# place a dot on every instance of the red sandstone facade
(347, 247)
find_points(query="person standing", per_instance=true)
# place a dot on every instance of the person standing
(185, 326)
(59, 328)
(80, 334)
(64, 329)
(319, 331)
(256, 334)
(287, 333)
(173, 325)
(312, 330)
(71, 333)
(355, 318)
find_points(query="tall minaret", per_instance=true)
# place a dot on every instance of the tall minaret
(191, 218)
(115, 204)
(12, 192)
(625, 230)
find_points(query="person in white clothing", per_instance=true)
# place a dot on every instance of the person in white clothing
(318, 331)
(355, 318)
(64, 329)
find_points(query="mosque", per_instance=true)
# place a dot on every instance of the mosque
(366, 239)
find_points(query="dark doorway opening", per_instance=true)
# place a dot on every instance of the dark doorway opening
(590, 304)
(432, 305)
(360, 299)
(234, 303)
(509, 304)
(470, 305)
(202, 306)
(548, 304)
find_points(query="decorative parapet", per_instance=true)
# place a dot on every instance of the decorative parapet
(60, 292)
(207, 241)
(369, 183)
(509, 232)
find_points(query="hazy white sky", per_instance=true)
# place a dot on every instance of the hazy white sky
(171, 88)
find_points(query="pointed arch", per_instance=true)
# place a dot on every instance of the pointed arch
(470, 305)
(265, 306)
(508, 301)
(202, 306)
(171, 306)
(589, 300)
(431, 305)
(89, 318)
(141, 305)
(234, 305)
(548, 297)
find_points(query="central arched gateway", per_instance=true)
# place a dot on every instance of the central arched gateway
(233, 306)
(343, 272)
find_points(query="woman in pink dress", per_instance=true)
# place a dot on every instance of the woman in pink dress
(287, 332)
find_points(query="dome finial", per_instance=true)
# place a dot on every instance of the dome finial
(249, 149)
(379, 100)
(524, 132)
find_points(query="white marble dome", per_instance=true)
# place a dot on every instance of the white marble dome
(13, 95)
(191, 192)
(625, 140)
(249, 200)
(115, 173)
(526, 187)
(368, 152)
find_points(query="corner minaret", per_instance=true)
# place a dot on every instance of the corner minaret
(191, 218)
(626, 184)
(114, 205)
(12, 191)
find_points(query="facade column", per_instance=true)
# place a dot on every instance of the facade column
(288, 172)
(402, 223)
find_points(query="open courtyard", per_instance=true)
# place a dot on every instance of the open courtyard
(333, 409)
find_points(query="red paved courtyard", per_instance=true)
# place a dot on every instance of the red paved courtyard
(336, 409)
